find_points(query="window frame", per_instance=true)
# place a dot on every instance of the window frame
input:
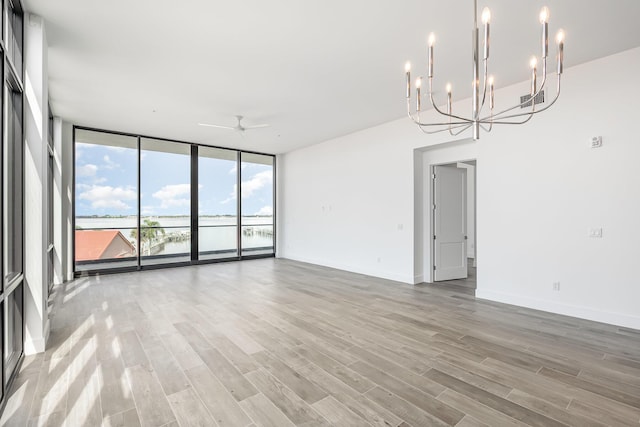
(194, 254)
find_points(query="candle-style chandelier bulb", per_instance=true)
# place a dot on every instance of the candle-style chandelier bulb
(544, 15)
(486, 15)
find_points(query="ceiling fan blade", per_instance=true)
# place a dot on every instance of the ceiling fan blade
(256, 126)
(216, 126)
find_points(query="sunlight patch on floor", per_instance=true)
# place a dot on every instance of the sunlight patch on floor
(78, 286)
(79, 413)
(15, 401)
(115, 347)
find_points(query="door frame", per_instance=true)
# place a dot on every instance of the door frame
(463, 150)
(432, 201)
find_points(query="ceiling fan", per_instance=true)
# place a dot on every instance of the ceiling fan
(238, 127)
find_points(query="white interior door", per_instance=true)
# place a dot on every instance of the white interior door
(450, 223)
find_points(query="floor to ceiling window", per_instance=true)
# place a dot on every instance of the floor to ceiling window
(165, 202)
(106, 200)
(147, 202)
(13, 228)
(217, 203)
(12, 189)
(257, 203)
(51, 166)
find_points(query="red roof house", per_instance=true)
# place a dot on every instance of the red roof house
(102, 244)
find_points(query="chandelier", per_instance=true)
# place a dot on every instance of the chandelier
(480, 118)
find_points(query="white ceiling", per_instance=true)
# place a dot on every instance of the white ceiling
(314, 70)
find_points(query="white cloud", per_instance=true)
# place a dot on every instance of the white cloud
(169, 195)
(258, 181)
(87, 170)
(172, 191)
(265, 211)
(109, 164)
(148, 210)
(234, 169)
(172, 203)
(110, 204)
(104, 196)
(118, 149)
(231, 197)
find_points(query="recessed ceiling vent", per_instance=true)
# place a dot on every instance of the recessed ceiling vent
(525, 100)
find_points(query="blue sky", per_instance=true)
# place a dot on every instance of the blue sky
(106, 183)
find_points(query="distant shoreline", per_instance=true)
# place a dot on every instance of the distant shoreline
(166, 216)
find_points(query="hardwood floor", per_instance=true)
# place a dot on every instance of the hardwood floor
(279, 343)
(464, 286)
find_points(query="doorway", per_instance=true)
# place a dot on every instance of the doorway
(463, 152)
(453, 225)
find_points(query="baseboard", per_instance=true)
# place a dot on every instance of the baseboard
(418, 279)
(35, 346)
(39, 345)
(355, 269)
(618, 319)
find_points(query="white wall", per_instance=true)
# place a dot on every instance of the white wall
(35, 181)
(354, 202)
(343, 204)
(540, 191)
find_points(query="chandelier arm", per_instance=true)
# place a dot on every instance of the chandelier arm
(486, 129)
(453, 116)
(409, 110)
(464, 127)
(520, 105)
(521, 122)
(413, 119)
(419, 123)
(528, 115)
(511, 116)
(456, 124)
(484, 84)
(435, 107)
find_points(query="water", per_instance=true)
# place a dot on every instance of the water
(214, 234)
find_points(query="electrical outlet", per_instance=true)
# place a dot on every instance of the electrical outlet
(556, 286)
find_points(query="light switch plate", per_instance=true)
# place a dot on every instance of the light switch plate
(595, 233)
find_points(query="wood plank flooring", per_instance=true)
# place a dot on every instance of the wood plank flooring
(279, 343)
